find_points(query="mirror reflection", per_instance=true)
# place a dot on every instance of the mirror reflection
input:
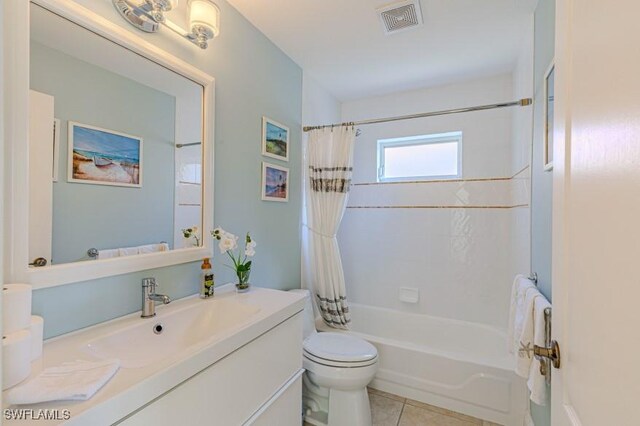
(115, 152)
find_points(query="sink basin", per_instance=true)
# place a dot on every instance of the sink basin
(170, 332)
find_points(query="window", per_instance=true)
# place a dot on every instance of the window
(423, 157)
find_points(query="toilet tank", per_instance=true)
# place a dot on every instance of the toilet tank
(308, 318)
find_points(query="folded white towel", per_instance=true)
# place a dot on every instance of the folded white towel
(517, 311)
(536, 383)
(153, 248)
(129, 251)
(77, 381)
(108, 254)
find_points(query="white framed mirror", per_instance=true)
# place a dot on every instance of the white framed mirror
(119, 153)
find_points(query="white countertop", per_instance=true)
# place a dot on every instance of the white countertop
(132, 388)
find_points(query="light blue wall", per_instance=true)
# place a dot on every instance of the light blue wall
(100, 216)
(541, 181)
(253, 78)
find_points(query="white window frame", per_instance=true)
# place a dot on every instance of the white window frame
(436, 138)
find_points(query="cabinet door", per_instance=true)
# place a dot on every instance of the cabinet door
(230, 391)
(284, 409)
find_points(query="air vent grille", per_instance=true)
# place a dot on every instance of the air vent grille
(400, 16)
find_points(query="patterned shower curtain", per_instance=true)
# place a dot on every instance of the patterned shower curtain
(328, 169)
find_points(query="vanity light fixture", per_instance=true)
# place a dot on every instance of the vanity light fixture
(147, 15)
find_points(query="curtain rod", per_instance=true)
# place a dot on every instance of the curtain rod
(521, 102)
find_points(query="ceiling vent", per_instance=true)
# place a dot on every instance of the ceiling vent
(400, 16)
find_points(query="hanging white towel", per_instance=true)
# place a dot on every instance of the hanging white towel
(77, 381)
(153, 248)
(536, 383)
(517, 312)
(524, 353)
(129, 251)
(108, 254)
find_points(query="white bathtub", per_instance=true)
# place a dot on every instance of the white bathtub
(457, 365)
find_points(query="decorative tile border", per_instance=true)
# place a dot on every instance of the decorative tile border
(438, 207)
(365, 198)
(490, 179)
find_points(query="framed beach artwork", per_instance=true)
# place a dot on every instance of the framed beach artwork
(549, 93)
(275, 139)
(275, 183)
(104, 157)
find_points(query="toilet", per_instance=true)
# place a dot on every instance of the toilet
(338, 369)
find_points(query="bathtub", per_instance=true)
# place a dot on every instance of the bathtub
(457, 365)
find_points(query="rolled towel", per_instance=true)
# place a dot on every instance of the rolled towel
(129, 251)
(37, 336)
(76, 381)
(153, 248)
(108, 254)
(16, 308)
(16, 358)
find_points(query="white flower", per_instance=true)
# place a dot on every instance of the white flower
(218, 233)
(228, 242)
(250, 248)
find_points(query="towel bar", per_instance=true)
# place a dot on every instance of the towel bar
(534, 277)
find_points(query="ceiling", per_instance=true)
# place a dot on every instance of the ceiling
(342, 45)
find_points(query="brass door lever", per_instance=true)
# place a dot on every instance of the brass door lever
(552, 353)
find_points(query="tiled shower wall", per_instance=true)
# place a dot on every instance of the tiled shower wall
(458, 242)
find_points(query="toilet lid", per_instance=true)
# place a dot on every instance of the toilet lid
(339, 347)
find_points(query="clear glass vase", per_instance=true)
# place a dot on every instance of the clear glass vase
(243, 281)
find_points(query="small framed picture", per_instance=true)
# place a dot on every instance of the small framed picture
(275, 183)
(275, 139)
(549, 93)
(104, 157)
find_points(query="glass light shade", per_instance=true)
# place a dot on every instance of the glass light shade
(203, 13)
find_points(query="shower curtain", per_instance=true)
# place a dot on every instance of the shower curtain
(328, 165)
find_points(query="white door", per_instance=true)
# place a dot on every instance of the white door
(596, 222)
(40, 175)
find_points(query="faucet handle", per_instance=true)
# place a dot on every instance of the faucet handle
(149, 282)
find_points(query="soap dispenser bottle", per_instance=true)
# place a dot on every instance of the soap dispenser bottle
(206, 280)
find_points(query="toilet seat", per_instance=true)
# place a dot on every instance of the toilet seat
(339, 350)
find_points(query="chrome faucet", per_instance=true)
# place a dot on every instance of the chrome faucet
(149, 297)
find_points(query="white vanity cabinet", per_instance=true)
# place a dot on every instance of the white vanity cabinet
(258, 384)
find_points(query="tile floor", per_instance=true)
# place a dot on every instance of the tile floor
(393, 410)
